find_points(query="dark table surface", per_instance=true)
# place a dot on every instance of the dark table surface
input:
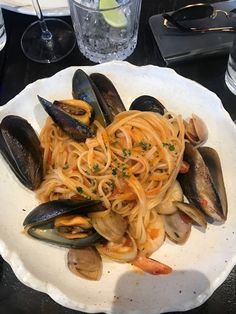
(16, 72)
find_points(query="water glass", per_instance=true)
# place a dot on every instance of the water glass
(230, 75)
(3, 36)
(106, 29)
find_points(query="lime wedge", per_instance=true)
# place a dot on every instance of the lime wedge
(115, 17)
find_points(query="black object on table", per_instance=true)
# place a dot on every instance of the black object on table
(16, 72)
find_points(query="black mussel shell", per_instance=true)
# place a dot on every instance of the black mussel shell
(147, 103)
(45, 212)
(39, 222)
(20, 147)
(109, 93)
(71, 126)
(47, 234)
(83, 88)
(212, 161)
(203, 184)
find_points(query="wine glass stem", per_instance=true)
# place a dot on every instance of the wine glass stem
(46, 34)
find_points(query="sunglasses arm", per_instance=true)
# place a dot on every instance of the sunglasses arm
(169, 18)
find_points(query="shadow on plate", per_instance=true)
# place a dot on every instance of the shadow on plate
(139, 293)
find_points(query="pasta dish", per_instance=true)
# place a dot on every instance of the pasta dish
(129, 165)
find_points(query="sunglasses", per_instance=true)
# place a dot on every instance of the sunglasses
(193, 12)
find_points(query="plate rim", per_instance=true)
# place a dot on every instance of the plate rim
(28, 9)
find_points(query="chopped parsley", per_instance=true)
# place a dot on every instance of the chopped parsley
(79, 190)
(145, 146)
(112, 185)
(96, 168)
(126, 152)
(66, 166)
(114, 171)
(170, 146)
(124, 173)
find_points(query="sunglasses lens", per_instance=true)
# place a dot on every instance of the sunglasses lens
(233, 13)
(193, 12)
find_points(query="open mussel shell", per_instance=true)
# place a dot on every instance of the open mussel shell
(109, 93)
(77, 109)
(147, 103)
(71, 126)
(83, 88)
(40, 222)
(85, 262)
(203, 184)
(20, 147)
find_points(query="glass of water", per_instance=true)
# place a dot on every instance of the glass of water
(3, 36)
(106, 29)
(230, 75)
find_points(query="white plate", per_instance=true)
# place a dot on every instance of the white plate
(200, 265)
(49, 7)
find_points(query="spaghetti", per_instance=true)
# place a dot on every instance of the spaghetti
(129, 166)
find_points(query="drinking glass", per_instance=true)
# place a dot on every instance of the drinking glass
(105, 29)
(230, 75)
(47, 40)
(3, 36)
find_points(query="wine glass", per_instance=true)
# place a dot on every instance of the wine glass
(47, 40)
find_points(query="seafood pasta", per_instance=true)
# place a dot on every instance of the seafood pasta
(115, 185)
(128, 165)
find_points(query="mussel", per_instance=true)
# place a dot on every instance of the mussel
(83, 88)
(77, 109)
(147, 103)
(75, 116)
(72, 126)
(109, 93)
(20, 147)
(64, 222)
(203, 184)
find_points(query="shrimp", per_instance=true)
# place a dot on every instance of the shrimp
(151, 266)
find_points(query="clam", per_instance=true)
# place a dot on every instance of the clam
(177, 226)
(203, 184)
(64, 222)
(193, 212)
(20, 147)
(85, 262)
(168, 205)
(147, 103)
(124, 251)
(109, 93)
(112, 226)
(72, 126)
(196, 131)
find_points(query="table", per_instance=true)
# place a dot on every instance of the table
(16, 72)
